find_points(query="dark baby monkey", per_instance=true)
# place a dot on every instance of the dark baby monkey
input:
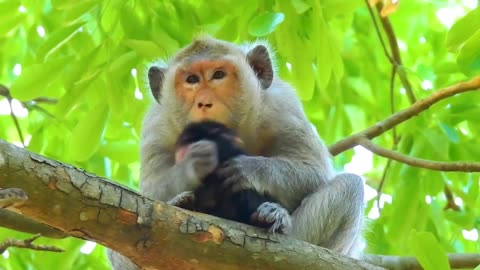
(210, 197)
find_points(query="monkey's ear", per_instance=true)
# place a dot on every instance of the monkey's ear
(261, 64)
(155, 79)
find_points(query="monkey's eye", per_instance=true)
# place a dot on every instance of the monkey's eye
(192, 79)
(219, 74)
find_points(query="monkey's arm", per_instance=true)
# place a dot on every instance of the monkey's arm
(287, 180)
(162, 179)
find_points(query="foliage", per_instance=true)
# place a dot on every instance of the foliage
(92, 55)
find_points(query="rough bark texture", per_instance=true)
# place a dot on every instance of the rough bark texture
(151, 233)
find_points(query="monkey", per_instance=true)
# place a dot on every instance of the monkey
(237, 85)
(209, 197)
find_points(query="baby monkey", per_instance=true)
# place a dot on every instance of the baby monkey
(211, 198)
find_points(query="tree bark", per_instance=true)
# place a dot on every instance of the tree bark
(151, 233)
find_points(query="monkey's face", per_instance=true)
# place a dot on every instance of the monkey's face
(208, 88)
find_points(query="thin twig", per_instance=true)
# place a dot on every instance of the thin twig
(5, 92)
(377, 29)
(27, 243)
(450, 200)
(397, 60)
(458, 166)
(17, 124)
(395, 138)
(403, 115)
(45, 100)
(456, 261)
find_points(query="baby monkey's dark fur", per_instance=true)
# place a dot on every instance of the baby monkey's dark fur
(210, 197)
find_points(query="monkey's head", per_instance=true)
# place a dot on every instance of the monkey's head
(227, 141)
(213, 80)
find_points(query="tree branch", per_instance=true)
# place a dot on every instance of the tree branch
(460, 166)
(151, 233)
(27, 243)
(456, 261)
(403, 115)
(395, 59)
(15, 221)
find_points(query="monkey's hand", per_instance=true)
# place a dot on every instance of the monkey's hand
(240, 174)
(201, 158)
(183, 200)
(274, 216)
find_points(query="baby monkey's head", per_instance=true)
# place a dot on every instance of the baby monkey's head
(226, 140)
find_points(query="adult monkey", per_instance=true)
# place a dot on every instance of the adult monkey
(236, 85)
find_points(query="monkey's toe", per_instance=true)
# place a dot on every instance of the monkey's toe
(274, 216)
(183, 200)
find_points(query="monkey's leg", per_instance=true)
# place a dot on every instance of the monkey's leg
(332, 216)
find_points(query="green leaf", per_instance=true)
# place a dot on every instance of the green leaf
(35, 79)
(8, 24)
(451, 133)
(300, 6)
(124, 152)
(428, 251)
(469, 57)
(87, 135)
(146, 48)
(124, 63)
(463, 29)
(57, 39)
(465, 219)
(265, 23)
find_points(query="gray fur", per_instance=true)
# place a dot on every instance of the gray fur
(289, 161)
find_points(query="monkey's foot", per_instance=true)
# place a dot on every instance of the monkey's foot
(274, 216)
(184, 200)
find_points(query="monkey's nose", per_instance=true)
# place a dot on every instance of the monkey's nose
(204, 105)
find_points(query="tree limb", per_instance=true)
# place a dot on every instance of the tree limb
(456, 261)
(459, 166)
(403, 115)
(15, 221)
(151, 233)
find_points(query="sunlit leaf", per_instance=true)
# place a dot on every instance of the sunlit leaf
(86, 136)
(265, 23)
(57, 39)
(124, 152)
(469, 57)
(300, 6)
(463, 29)
(428, 251)
(146, 48)
(35, 78)
(450, 132)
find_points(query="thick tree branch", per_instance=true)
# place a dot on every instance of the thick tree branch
(457, 261)
(401, 116)
(459, 166)
(15, 221)
(153, 234)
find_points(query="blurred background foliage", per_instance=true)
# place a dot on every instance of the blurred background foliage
(75, 71)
